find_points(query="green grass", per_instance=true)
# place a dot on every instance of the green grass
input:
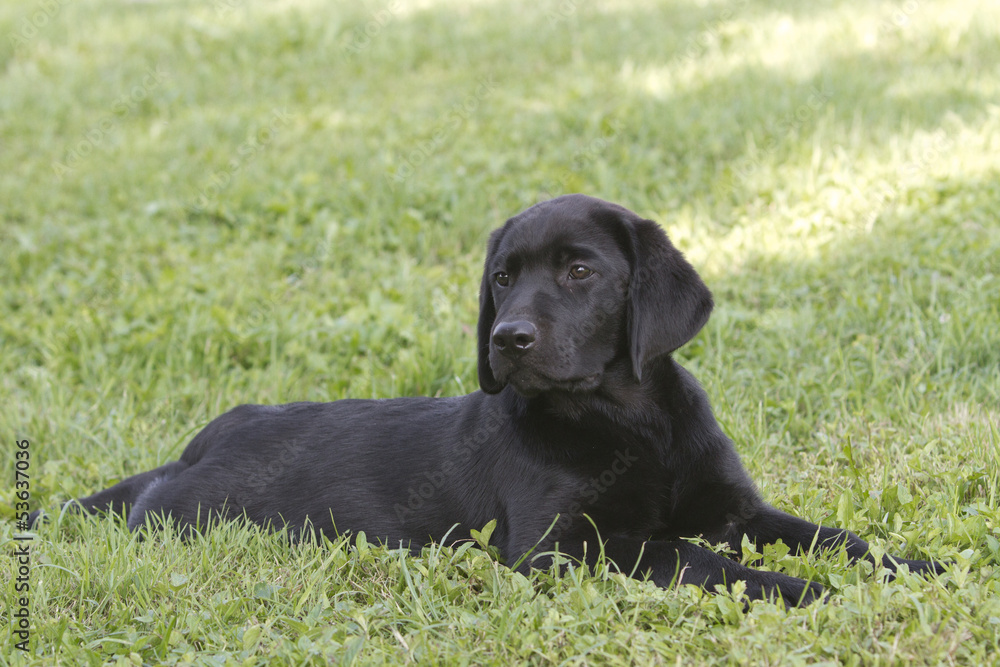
(205, 204)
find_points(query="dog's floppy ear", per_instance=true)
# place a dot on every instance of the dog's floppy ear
(487, 315)
(667, 302)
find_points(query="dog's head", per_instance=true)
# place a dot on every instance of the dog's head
(575, 283)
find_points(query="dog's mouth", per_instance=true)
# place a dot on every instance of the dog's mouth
(530, 384)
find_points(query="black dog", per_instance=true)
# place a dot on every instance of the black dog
(584, 422)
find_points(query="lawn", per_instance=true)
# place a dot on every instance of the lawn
(204, 204)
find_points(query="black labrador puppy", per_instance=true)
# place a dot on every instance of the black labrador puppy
(586, 429)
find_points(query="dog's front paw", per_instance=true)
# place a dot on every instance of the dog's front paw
(794, 592)
(925, 568)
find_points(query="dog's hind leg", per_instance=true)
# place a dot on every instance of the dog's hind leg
(190, 500)
(120, 497)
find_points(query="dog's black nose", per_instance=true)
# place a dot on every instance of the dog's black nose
(513, 339)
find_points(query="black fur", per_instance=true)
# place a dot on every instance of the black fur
(583, 413)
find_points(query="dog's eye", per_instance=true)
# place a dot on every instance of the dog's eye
(579, 272)
(501, 278)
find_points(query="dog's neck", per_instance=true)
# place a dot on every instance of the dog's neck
(621, 401)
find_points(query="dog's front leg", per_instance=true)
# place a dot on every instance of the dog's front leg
(767, 525)
(672, 563)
